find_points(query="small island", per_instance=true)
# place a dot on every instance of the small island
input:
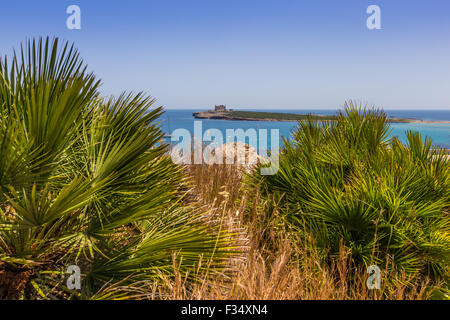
(221, 112)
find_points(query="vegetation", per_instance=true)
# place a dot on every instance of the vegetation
(274, 263)
(346, 186)
(87, 181)
(84, 181)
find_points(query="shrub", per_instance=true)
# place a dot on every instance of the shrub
(346, 183)
(85, 181)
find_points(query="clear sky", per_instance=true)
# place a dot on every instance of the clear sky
(271, 54)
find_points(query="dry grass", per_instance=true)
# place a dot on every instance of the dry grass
(272, 265)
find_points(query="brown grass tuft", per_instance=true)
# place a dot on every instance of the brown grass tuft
(273, 264)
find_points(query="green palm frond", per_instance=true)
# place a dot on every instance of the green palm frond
(86, 181)
(347, 182)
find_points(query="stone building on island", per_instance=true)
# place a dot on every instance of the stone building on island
(220, 108)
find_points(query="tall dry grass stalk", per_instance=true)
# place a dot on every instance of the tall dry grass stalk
(273, 264)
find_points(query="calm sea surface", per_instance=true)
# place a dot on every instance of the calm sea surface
(439, 133)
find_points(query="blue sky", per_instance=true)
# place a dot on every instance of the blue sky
(266, 54)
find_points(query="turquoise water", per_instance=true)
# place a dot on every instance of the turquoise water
(438, 132)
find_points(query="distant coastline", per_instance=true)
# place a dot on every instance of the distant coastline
(285, 117)
(256, 116)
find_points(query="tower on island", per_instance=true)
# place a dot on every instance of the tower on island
(220, 108)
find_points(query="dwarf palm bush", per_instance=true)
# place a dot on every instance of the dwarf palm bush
(85, 181)
(345, 183)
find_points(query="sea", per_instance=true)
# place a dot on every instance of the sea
(439, 133)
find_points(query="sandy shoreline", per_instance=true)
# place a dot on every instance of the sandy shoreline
(426, 121)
